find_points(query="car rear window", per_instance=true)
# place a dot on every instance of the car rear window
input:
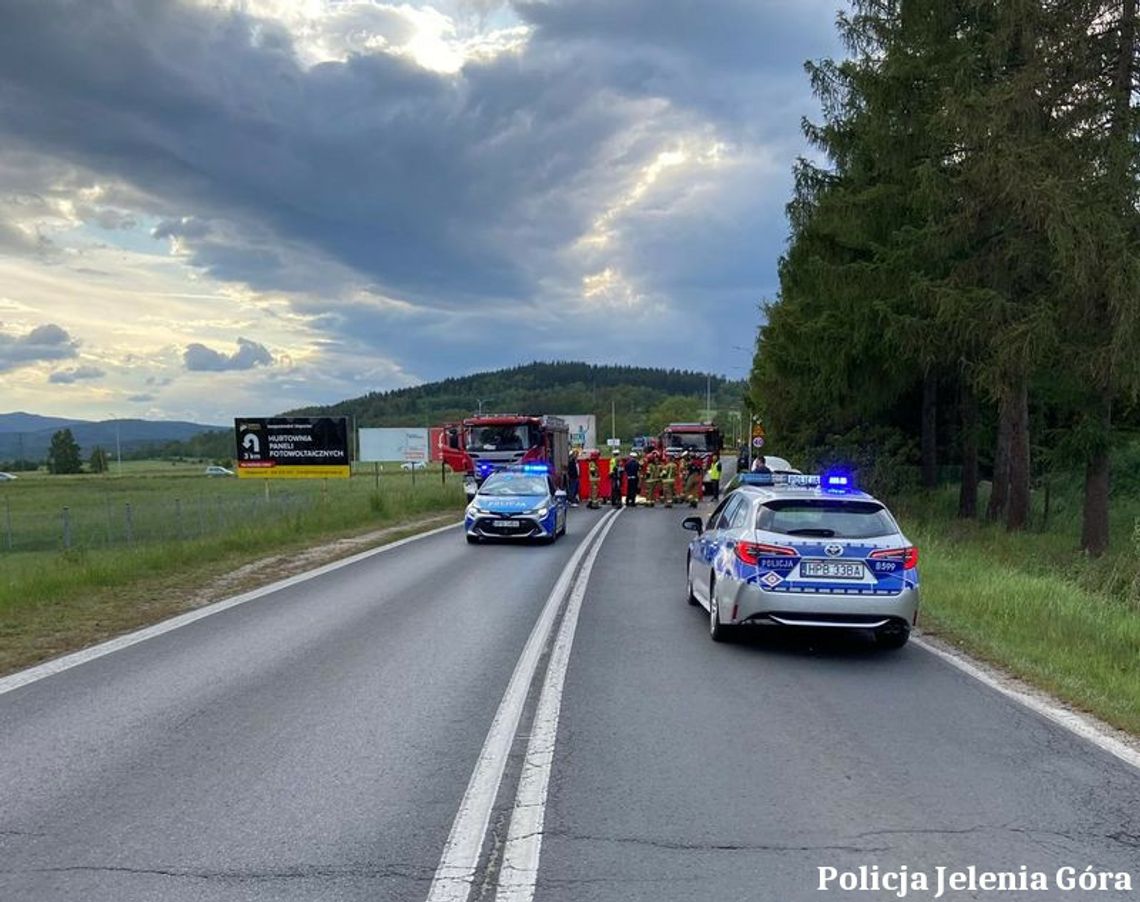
(826, 518)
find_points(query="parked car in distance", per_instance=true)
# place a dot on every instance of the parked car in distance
(414, 465)
(4, 477)
(218, 471)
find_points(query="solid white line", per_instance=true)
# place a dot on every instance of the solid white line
(519, 872)
(58, 665)
(1051, 710)
(455, 875)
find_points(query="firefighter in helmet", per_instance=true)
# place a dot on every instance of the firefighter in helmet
(667, 471)
(650, 478)
(615, 478)
(694, 477)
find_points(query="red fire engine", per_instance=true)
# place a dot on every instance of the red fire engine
(701, 440)
(480, 445)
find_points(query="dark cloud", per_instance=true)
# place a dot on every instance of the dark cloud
(455, 192)
(249, 354)
(76, 374)
(46, 342)
(140, 399)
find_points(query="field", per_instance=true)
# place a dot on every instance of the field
(1032, 603)
(82, 557)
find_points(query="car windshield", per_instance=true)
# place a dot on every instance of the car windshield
(697, 441)
(498, 438)
(826, 518)
(513, 485)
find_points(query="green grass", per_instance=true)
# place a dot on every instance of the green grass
(1033, 604)
(54, 599)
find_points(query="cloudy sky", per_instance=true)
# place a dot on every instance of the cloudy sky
(221, 207)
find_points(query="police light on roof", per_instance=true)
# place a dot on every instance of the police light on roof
(543, 469)
(837, 481)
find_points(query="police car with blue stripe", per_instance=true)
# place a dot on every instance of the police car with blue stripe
(518, 502)
(803, 551)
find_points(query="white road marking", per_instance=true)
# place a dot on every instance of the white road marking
(519, 872)
(58, 665)
(455, 875)
(1051, 710)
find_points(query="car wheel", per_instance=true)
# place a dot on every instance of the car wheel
(718, 631)
(689, 582)
(892, 637)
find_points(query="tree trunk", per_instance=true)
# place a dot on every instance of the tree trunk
(999, 491)
(1017, 514)
(968, 493)
(929, 430)
(1094, 524)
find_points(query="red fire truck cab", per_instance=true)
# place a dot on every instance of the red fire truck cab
(702, 440)
(480, 445)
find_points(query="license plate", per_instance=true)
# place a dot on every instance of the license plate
(506, 524)
(832, 569)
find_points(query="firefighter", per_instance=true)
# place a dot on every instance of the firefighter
(650, 479)
(694, 477)
(714, 478)
(615, 479)
(594, 476)
(668, 473)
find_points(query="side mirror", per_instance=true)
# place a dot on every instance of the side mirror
(693, 524)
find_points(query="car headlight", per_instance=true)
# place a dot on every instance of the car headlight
(541, 511)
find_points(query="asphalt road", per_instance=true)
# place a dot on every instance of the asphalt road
(317, 743)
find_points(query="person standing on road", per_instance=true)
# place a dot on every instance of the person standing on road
(694, 477)
(594, 477)
(615, 479)
(649, 479)
(714, 477)
(668, 474)
(575, 478)
(632, 477)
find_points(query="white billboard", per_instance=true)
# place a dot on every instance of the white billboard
(393, 444)
(583, 430)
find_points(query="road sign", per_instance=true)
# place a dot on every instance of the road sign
(292, 447)
(614, 442)
(758, 442)
(408, 445)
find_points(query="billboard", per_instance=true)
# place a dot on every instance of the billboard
(292, 447)
(394, 444)
(583, 430)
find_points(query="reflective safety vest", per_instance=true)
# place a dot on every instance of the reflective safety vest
(714, 470)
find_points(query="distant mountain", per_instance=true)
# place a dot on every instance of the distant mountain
(643, 398)
(29, 436)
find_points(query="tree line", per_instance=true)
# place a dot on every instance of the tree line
(963, 268)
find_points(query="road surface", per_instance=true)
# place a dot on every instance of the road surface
(336, 740)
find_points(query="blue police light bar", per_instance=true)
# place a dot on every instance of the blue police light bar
(802, 480)
(544, 469)
(756, 479)
(837, 481)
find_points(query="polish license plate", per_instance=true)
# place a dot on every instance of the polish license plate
(832, 569)
(506, 524)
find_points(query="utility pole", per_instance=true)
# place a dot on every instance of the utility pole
(613, 419)
(118, 451)
(708, 395)
(482, 401)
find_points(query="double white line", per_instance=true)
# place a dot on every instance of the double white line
(459, 864)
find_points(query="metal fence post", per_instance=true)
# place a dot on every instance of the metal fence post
(130, 524)
(67, 528)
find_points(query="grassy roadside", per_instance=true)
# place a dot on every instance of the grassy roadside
(1032, 605)
(52, 602)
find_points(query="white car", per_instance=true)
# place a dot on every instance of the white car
(218, 471)
(4, 477)
(414, 465)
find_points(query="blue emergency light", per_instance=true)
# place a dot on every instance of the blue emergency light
(837, 482)
(537, 469)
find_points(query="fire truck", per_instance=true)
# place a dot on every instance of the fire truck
(701, 440)
(478, 446)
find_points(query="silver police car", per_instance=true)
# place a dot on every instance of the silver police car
(809, 551)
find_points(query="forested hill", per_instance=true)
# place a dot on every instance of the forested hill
(644, 398)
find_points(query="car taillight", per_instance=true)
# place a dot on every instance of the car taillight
(751, 552)
(908, 556)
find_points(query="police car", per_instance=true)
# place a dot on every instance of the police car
(803, 551)
(519, 502)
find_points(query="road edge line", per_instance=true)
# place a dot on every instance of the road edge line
(66, 662)
(459, 862)
(1035, 700)
(523, 847)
